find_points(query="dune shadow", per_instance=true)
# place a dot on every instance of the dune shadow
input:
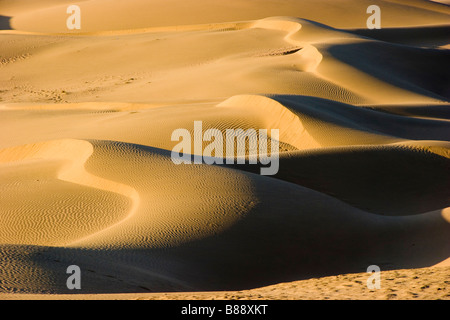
(290, 236)
(419, 70)
(431, 36)
(349, 116)
(248, 255)
(5, 23)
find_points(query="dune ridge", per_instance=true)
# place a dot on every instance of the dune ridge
(74, 153)
(86, 175)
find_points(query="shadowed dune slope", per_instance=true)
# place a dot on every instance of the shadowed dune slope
(167, 248)
(87, 122)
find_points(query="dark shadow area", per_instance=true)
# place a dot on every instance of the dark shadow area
(420, 70)
(384, 180)
(411, 181)
(425, 111)
(429, 36)
(363, 118)
(262, 249)
(289, 235)
(5, 23)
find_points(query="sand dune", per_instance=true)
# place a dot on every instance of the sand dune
(86, 174)
(133, 14)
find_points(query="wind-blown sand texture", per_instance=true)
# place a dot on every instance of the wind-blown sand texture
(412, 284)
(86, 175)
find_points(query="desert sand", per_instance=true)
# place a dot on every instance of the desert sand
(406, 284)
(86, 175)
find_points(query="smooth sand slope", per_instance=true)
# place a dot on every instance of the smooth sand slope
(104, 15)
(86, 175)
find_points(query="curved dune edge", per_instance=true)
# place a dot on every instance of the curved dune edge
(299, 122)
(276, 116)
(162, 219)
(158, 13)
(176, 28)
(440, 148)
(318, 72)
(363, 174)
(309, 57)
(405, 178)
(75, 153)
(184, 269)
(126, 253)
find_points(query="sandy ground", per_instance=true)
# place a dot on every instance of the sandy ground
(86, 175)
(404, 284)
